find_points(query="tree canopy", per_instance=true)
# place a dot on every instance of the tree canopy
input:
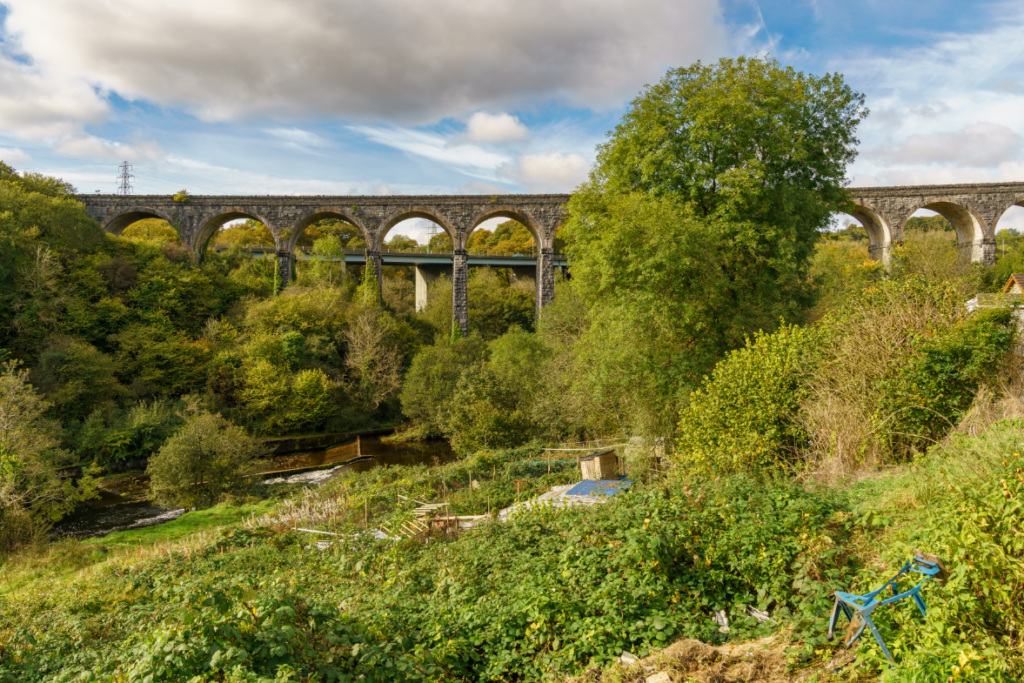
(697, 224)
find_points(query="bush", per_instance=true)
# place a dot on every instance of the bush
(207, 458)
(746, 416)
(484, 414)
(963, 503)
(431, 379)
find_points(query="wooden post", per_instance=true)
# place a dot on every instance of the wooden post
(359, 446)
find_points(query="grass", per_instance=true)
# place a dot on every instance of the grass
(64, 559)
(189, 523)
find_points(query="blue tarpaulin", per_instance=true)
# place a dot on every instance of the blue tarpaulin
(603, 487)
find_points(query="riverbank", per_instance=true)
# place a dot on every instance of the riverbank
(124, 501)
(549, 593)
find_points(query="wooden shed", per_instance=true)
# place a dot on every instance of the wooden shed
(600, 465)
(1015, 285)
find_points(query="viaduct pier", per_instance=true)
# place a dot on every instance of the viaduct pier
(973, 210)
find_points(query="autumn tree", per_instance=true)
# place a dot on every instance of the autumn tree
(207, 458)
(697, 224)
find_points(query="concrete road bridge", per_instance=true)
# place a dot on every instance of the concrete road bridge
(428, 265)
(973, 210)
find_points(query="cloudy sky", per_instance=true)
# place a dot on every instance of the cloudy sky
(440, 96)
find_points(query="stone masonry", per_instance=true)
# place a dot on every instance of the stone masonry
(198, 218)
(973, 210)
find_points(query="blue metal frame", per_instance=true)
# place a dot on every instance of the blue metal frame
(861, 606)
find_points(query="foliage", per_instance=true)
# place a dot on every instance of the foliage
(205, 459)
(746, 414)
(151, 230)
(250, 233)
(121, 435)
(961, 502)
(31, 485)
(368, 293)
(839, 269)
(181, 196)
(374, 358)
(483, 414)
(494, 307)
(347, 234)
(401, 243)
(433, 375)
(698, 221)
(77, 378)
(510, 237)
(546, 593)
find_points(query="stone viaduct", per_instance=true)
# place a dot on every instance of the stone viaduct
(199, 217)
(973, 210)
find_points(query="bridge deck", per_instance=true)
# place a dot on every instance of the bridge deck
(407, 258)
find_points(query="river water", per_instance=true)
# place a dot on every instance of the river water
(125, 504)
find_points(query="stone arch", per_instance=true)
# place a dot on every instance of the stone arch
(969, 226)
(540, 236)
(119, 222)
(291, 238)
(412, 212)
(211, 225)
(877, 225)
(1017, 201)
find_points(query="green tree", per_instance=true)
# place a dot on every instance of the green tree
(31, 488)
(151, 230)
(431, 379)
(698, 221)
(329, 263)
(77, 378)
(207, 458)
(401, 243)
(484, 414)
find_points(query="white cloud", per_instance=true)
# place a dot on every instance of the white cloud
(82, 145)
(484, 127)
(554, 172)
(403, 61)
(980, 145)
(466, 158)
(13, 156)
(37, 104)
(298, 138)
(945, 112)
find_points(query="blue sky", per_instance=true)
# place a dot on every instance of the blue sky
(445, 97)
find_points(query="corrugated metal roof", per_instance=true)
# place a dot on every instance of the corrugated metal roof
(603, 487)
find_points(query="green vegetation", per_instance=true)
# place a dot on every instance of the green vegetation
(799, 420)
(206, 458)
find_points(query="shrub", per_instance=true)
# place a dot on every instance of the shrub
(745, 416)
(484, 414)
(205, 459)
(431, 379)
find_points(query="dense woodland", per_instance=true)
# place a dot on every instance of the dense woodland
(816, 417)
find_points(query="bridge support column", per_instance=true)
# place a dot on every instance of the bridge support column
(460, 292)
(285, 268)
(373, 257)
(882, 253)
(424, 276)
(545, 277)
(984, 251)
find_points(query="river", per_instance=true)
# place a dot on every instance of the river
(125, 504)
